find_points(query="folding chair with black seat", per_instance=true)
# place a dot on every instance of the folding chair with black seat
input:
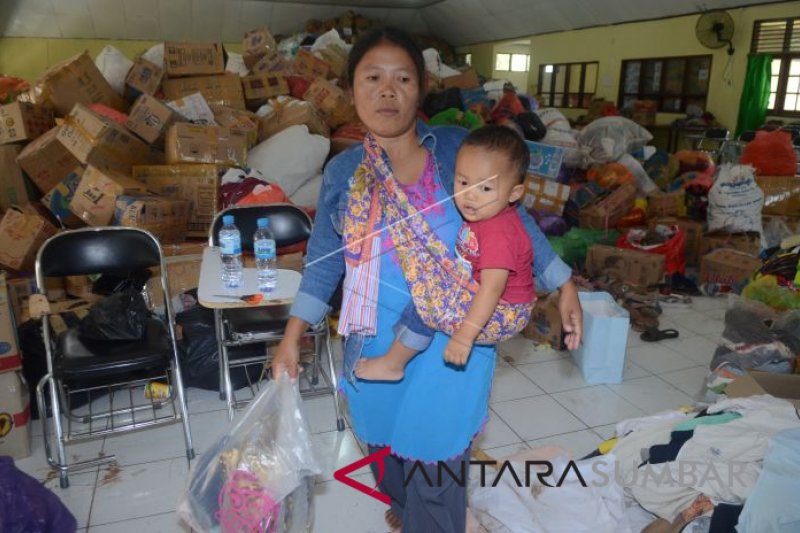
(111, 374)
(236, 327)
(713, 141)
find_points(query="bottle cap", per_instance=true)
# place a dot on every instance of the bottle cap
(263, 222)
(227, 219)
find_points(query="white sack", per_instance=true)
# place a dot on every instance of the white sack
(735, 200)
(155, 55)
(114, 67)
(608, 138)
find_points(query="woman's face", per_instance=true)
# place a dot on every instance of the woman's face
(386, 90)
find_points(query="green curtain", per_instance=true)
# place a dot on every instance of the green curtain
(755, 93)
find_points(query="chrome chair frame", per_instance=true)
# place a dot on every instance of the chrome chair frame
(59, 390)
(228, 338)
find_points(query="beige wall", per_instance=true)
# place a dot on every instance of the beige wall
(610, 45)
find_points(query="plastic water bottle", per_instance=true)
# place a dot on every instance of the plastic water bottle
(230, 250)
(264, 246)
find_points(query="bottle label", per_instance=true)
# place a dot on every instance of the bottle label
(229, 244)
(264, 249)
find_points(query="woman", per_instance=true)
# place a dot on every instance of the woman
(437, 409)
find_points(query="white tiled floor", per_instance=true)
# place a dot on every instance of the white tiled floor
(538, 398)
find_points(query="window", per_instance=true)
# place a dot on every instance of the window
(567, 84)
(512, 62)
(781, 39)
(673, 82)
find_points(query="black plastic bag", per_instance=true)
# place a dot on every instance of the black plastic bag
(122, 316)
(199, 356)
(532, 126)
(27, 506)
(439, 101)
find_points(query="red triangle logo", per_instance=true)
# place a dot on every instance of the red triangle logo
(341, 475)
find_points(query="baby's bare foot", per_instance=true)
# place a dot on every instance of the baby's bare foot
(378, 369)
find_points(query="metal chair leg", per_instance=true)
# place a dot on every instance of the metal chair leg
(187, 432)
(334, 381)
(315, 361)
(219, 330)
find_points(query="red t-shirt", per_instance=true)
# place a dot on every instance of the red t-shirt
(500, 242)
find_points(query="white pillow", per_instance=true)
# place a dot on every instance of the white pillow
(308, 194)
(290, 158)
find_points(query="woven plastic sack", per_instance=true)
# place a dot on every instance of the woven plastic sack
(259, 475)
(608, 138)
(735, 200)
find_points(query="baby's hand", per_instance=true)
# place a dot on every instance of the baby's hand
(457, 351)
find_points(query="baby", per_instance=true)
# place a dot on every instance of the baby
(489, 175)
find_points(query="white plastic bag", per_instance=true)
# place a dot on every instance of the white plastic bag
(114, 67)
(236, 64)
(331, 37)
(434, 64)
(735, 200)
(155, 55)
(259, 476)
(608, 138)
(290, 158)
(643, 181)
(193, 108)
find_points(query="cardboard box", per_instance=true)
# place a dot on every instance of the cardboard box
(781, 195)
(727, 267)
(78, 287)
(466, 80)
(291, 114)
(666, 204)
(244, 122)
(217, 90)
(15, 416)
(47, 161)
(21, 235)
(545, 195)
(259, 88)
(755, 383)
(193, 59)
(78, 80)
(631, 266)
(545, 324)
(545, 160)
(747, 242)
(149, 118)
(256, 44)
(21, 289)
(95, 198)
(308, 65)
(23, 121)
(57, 200)
(144, 77)
(608, 210)
(166, 218)
(644, 112)
(194, 143)
(198, 184)
(272, 62)
(331, 101)
(97, 141)
(694, 233)
(183, 273)
(336, 56)
(10, 356)
(13, 189)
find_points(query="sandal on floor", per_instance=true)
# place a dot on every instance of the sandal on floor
(655, 334)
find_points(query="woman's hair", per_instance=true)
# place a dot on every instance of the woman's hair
(501, 139)
(392, 35)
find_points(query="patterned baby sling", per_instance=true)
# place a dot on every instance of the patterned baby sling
(441, 287)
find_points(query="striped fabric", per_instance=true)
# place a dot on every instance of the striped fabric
(360, 296)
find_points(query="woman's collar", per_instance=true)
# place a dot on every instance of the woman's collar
(425, 136)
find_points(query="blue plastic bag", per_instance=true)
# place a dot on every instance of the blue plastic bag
(601, 355)
(26, 506)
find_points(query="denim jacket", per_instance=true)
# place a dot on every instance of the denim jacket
(325, 259)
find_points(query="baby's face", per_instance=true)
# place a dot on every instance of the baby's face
(485, 183)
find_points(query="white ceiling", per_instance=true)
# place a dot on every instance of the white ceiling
(457, 21)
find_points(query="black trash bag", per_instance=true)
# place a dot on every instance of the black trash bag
(532, 126)
(439, 101)
(131, 281)
(122, 316)
(27, 506)
(199, 356)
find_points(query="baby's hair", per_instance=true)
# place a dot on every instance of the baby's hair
(505, 140)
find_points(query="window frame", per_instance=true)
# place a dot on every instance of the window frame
(496, 56)
(786, 56)
(551, 94)
(662, 95)
(511, 61)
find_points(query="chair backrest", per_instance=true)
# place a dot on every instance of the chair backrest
(289, 223)
(97, 251)
(747, 136)
(716, 133)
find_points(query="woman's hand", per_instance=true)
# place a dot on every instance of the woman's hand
(571, 315)
(287, 357)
